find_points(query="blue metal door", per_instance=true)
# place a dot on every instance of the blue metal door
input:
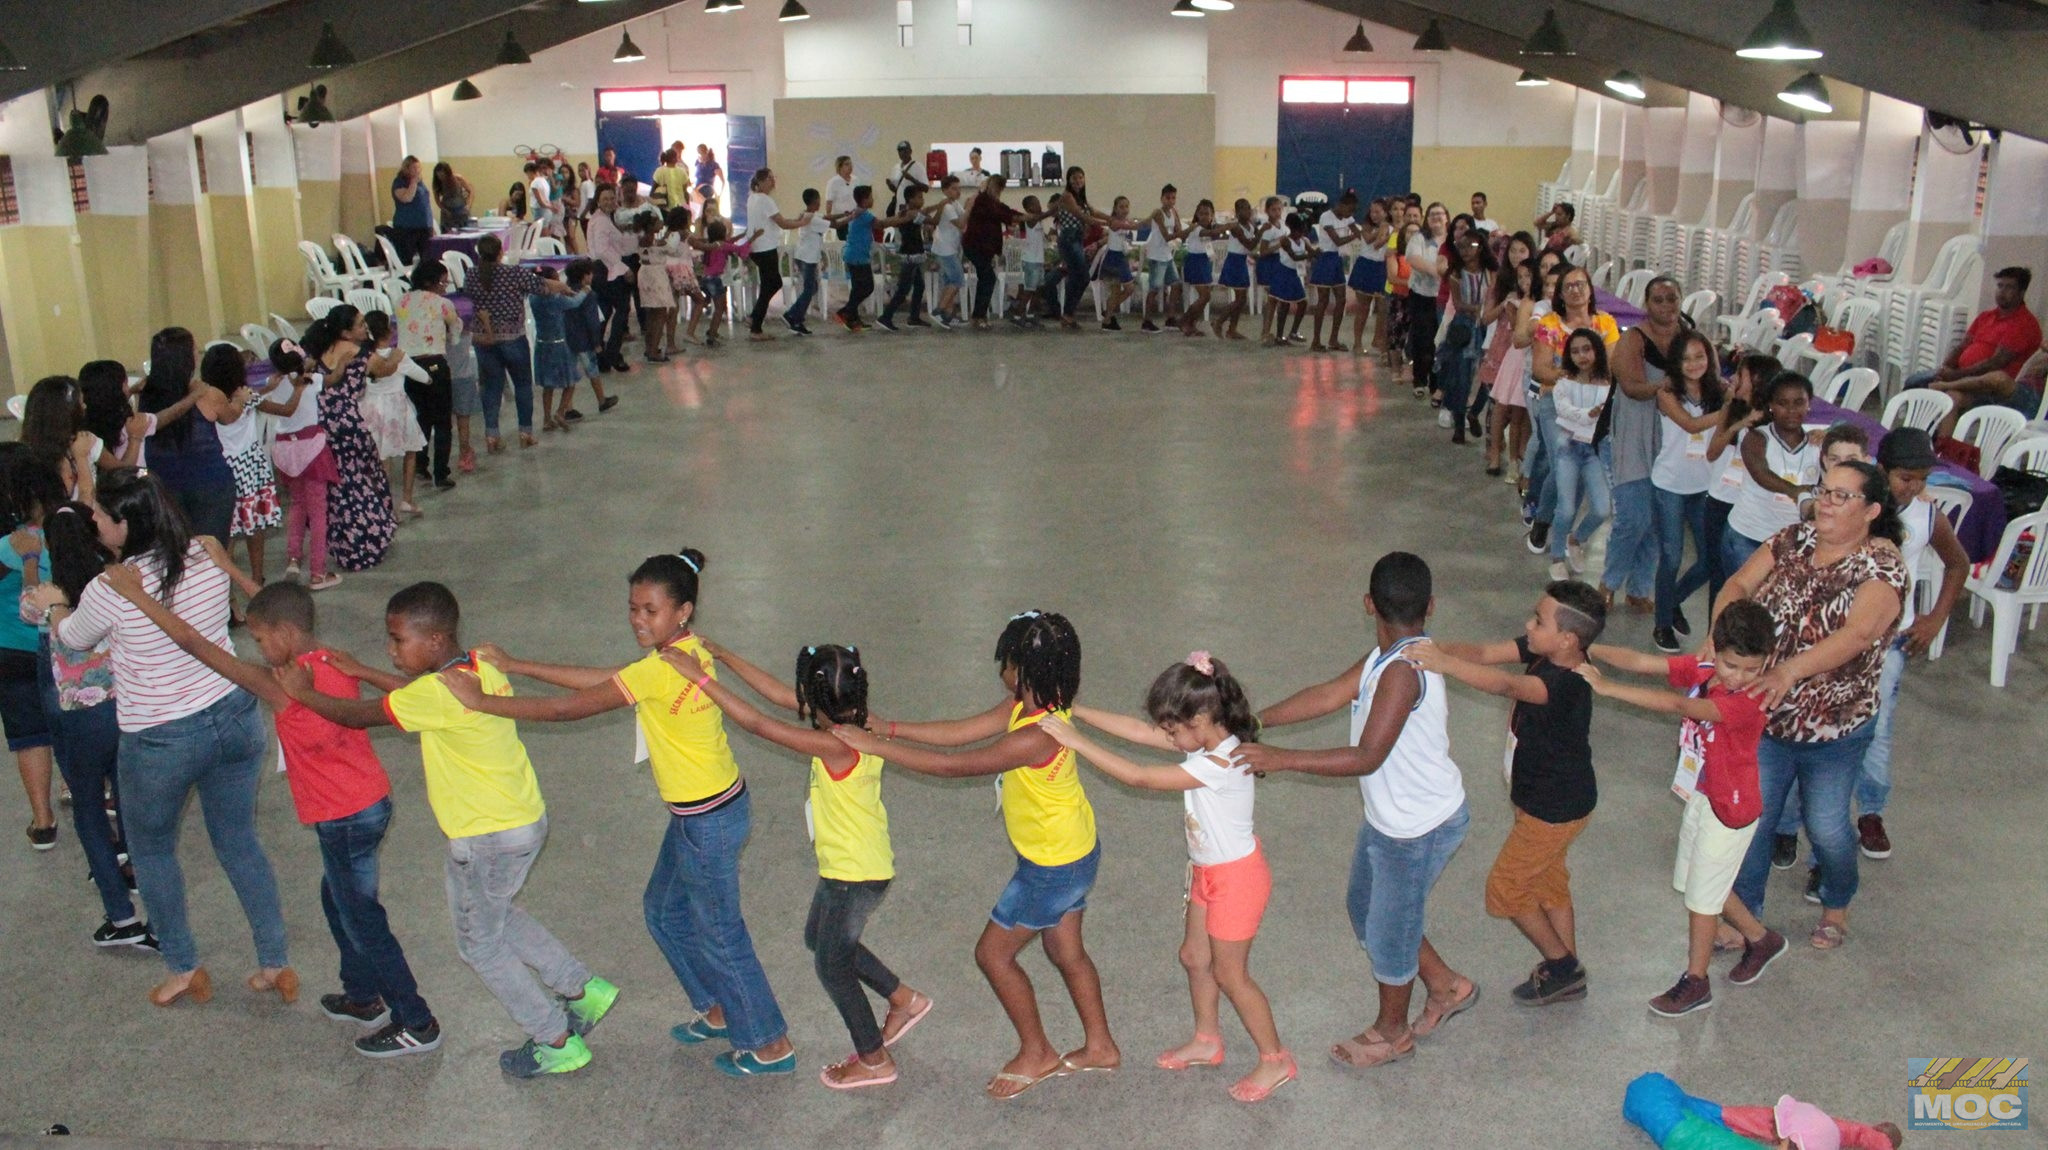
(746, 152)
(637, 139)
(1330, 147)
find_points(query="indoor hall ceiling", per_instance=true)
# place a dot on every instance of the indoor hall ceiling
(59, 41)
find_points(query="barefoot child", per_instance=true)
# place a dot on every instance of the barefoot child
(1718, 740)
(1550, 766)
(1197, 708)
(850, 831)
(692, 901)
(483, 791)
(1415, 812)
(1051, 827)
(338, 788)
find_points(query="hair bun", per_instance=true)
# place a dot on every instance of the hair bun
(693, 557)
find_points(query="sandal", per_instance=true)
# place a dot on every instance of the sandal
(198, 988)
(825, 1075)
(467, 462)
(1171, 1059)
(917, 1012)
(285, 982)
(493, 445)
(526, 439)
(1374, 1051)
(1023, 1082)
(1245, 1090)
(1828, 936)
(1435, 1015)
(324, 582)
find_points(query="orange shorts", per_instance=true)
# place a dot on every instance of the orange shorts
(1233, 895)
(1530, 873)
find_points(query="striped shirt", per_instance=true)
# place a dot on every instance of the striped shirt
(156, 681)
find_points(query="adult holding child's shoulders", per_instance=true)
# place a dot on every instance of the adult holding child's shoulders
(1834, 586)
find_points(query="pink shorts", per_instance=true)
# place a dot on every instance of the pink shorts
(1234, 894)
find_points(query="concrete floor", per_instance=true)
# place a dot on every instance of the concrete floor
(908, 493)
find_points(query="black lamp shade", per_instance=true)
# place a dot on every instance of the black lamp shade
(510, 52)
(1548, 39)
(1433, 39)
(467, 91)
(628, 52)
(1780, 35)
(1358, 41)
(792, 11)
(1809, 93)
(329, 52)
(1626, 83)
(1530, 79)
(9, 62)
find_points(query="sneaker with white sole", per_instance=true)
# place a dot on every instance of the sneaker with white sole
(130, 933)
(342, 1008)
(1443, 419)
(1575, 553)
(1559, 571)
(396, 1040)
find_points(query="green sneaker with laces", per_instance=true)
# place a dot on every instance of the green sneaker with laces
(535, 1059)
(589, 1008)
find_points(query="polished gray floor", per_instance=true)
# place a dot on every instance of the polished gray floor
(908, 493)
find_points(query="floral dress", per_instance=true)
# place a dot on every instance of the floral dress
(359, 522)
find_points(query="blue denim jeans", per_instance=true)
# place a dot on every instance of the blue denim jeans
(1874, 783)
(1456, 382)
(1390, 883)
(1539, 461)
(1736, 548)
(807, 276)
(1712, 547)
(373, 965)
(87, 746)
(499, 940)
(1632, 545)
(692, 905)
(218, 752)
(496, 361)
(1578, 469)
(1075, 261)
(1675, 515)
(1825, 774)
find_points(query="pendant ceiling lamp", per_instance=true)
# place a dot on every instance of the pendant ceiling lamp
(467, 91)
(1780, 35)
(329, 52)
(1809, 93)
(792, 12)
(9, 62)
(723, 5)
(1548, 39)
(1530, 79)
(1215, 5)
(1433, 39)
(510, 52)
(1358, 41)
(629, 52)
(1187, 9)
(1626, 83)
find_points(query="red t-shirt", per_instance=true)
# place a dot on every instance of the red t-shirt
(332, 770)
(1993, 331)
(1727, 748)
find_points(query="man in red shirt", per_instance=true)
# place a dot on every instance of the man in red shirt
(609, 171)
(1985, 367)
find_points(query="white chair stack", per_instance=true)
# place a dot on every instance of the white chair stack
(1945, 315)
(1633, 285)
(1901, 303)
(1757, 290)
(1778, 251)
(1699, 306)
(322, 278)
(357, 267)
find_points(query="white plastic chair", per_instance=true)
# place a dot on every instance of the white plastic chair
(1853, 388)
(258, 338)
(1953, 503)
(1923, 407)
(459, 265)
(1757, 289)
(1576, 254)
(1634, 284)
(368, 300)
(1990, 428)
(1699, 306)
(1603, 278)
(321, 275)
(393, 266)
(319, 306)
(2028, 591)
(284, 328)
(1826, 368)
(356, 266)
(549, 246)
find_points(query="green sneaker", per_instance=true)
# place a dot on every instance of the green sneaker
(533, 1059)
(589, 1008)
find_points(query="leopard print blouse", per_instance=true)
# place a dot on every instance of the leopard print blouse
(1810, 603)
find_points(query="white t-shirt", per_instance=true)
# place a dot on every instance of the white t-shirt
(761, 211)
(1272, 234)
(946, 233)
(838, 195)
(306, 414)
(1328, 228)
(1219, 812)
(1032, 249)
(1423, 279)
(1418, 785)
(1233, 241)
(1917, 518)
(540, 194)
(810, 239)
(1157, 247)
(1487, 225)
(589, 190)
(1196, 243)
(1759, 514)
(1682, 466)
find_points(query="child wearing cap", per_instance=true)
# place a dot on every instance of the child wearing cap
(1676, 1120)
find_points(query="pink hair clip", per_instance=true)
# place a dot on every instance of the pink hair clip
(1201, 661)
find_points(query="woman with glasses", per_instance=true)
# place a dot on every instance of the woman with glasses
(1834, 587)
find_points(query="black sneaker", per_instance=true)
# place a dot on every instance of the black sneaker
(396, 1040)
(1110, 324)
(572, 416)
(340, 1008)
(1813, 886)
(800, 329)
(1665, 640)
(1149, 326)
(607, 403)
(913, 321)
(148, 942)
(43, 838)
(1546, 985)
(1784, 851)
(1538, 540)
(444, 484)
(885, 323)
(1679, 624)
(130, 933)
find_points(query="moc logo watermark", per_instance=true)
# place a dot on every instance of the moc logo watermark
(1966, 1093)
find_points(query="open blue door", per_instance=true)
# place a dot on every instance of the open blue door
(1330, 147)
(746, 152)
(637, 139)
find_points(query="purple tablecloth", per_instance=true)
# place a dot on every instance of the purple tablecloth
(1982, 528)
(464, 241)
(559, 263)
(1626, 315)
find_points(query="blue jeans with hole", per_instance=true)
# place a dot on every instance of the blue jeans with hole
(218, 752)
(1675, 515)
(1632, 546)
(373, 965)
(1825, 774)
(1578, 469)
(692, 906)
(494, 363)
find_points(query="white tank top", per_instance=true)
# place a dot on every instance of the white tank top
(1418, 786)
(243, 433)
(1918, 519)
(1730, 476)
(1760, 514)
(1233, 243)
(1157, 246)
(1196, 243)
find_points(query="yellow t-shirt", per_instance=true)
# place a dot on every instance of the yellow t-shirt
(849, 826)
(479, 779)
(685, 730)
(676, 183)
(1044, 809)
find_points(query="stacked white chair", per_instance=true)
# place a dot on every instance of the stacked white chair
(357, 267)
(1901, 301)
(1603, 277)
(1990, 429)
(1891, 250)
(1945, 315)
(319, 306)
(1779, 249)
(1826, 368)
(459, 266)
(369, 300)
(1635, 284)
(322, 278)
(1758, 288)
(1638, 244)
(1922, 407)
(394, 267)
(2028, 589)
(1723, 244)
(1699, 306)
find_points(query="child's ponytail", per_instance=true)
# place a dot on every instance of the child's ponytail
(1202, 685)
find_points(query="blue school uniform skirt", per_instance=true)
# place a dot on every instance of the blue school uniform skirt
(1236, 271)
(1264, 269)
(1328, 270)
(554, 364)
(1368, 275)
(1116, 267)
(1286, 285)
(1196, 271)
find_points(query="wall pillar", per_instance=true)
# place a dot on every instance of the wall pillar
(236, 259)
(318, 152)
(389, 144)
(1735, 155)
(358, 190)
(1585, 137)
(1696, 161)
(274, 208)
(1827, 176)
(117, 251)
(44, 305)
(1607, 153)
(1882, 187)
(1664, 140)
(1944, 203)
(2016, 214)
(1635, 161)
(1777, 171)
(185, 289)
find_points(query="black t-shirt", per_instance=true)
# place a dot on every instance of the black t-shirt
(910, 239)
(1553, 756)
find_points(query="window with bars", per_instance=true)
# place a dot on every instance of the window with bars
(81, 197)
(10, 210)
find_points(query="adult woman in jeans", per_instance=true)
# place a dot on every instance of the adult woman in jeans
(1643, 360)
(1072, 215)
(765, 225)
(1835, 587)
(609, 246)
(184, 448)
(183, 728)
(502, 350)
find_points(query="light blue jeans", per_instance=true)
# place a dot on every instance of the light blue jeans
(692, 906)
(1632, 545)
(1825, 774)
(1874, 780)
(219, 753)
(1390, 883)
(1578, 469)
(1539, 460)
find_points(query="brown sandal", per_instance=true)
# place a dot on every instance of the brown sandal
(285, 983)
(1435, 1015)
(198, 988)
(1373, 1051)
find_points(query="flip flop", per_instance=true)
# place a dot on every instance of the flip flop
(1433, 1017)
(825, 1076)
(1024, 1081)
(915, 1018)
(1074, 1068)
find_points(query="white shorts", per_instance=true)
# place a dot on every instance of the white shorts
(1709, 854)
